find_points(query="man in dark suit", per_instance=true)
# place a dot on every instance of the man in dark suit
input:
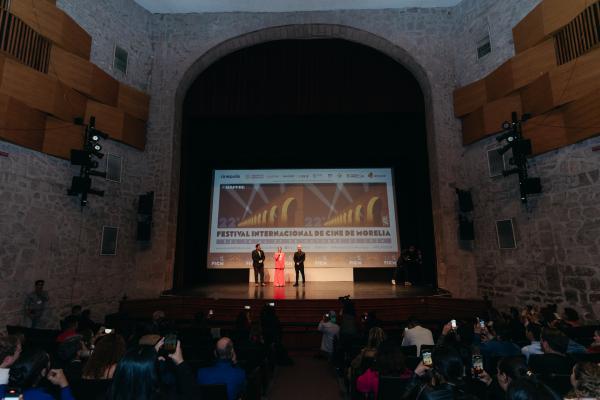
(258, 263)
(299, 257)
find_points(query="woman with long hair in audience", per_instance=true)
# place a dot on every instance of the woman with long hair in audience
(137, 378)
(28, 372)
(98, 371)
(389, 362)
(508, 369)
(586, 381)
(358, 365)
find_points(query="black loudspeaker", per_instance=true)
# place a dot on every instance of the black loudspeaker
(465, 228)
(532, 185)
(144, 223)
(465, 202)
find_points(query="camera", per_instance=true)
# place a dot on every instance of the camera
(246, 307)
(272, 304)
(477, 361)
(426, 356)
(453, 324)
(170, 343)
(108, 331)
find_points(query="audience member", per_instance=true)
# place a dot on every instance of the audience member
(493, 341)
(416, 335)
(71, 353)
(10, 350)
(330, 331)
(554, 360)
(585, 379)
(509, 369)
(376, 337)
(28, 372)
(136, 376)
(224, 371)
(530, 389)
(389, 362)
(445, 379)
(97, 374)
(533, 332)
(70, 325)
(35, 303)
(595, 346)
(86, 322)
(571, 317)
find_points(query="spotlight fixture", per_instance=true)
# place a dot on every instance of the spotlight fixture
(81, 185)
(521, 148)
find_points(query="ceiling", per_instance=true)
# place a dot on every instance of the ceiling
(200, 6)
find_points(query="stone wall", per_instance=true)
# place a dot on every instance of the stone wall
(558, 232)
(44, 234)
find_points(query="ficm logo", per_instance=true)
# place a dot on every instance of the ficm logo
(230, 176)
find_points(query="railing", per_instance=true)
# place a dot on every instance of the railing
(579, 36)
(22, 42)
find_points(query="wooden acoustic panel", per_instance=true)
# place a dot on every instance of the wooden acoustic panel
(133, 102)
(83, 76)
(545, 19)
(563, 84)
(571, 123)
(469, 98)
(117, 124)
(547, 132)
(488, 119)
(521, 70)
(20, 124)
(53, 23)
(582, 117)
(40, 91)
(60, 137)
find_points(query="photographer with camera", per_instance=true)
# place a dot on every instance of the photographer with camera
(330, 331)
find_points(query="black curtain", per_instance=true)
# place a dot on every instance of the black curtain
(320, 103)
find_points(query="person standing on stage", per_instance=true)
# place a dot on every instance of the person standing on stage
(258, 263)
(299, 257)
(279, 258)
(35, 303)
(412, 264)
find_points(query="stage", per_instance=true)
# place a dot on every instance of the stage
(311, 291)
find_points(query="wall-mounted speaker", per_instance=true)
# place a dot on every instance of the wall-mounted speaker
(506, 234)
(108, 246)
(466, 230)
(144, 222)
(465, 201)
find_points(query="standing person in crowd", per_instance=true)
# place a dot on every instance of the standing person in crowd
(330, 331)
(299, 257)
(416, 335)
(279, 258)
(35, 303)
(258, 263)
(408, 266)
